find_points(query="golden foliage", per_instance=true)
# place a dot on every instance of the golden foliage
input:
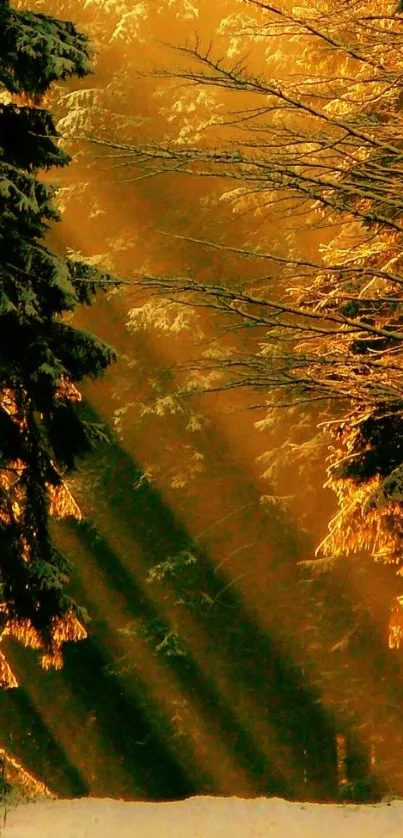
(24, 632)
(316, 149)
(67, 629)
(359, 527)
(68, 390)
(62, 503)
(63, 630)
(13, 489)
(52, 661)
(27, 785)
(7, 677)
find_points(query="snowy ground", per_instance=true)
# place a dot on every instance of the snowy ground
(202, 817)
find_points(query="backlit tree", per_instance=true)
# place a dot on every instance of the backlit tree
(313, 146)
(42, 356)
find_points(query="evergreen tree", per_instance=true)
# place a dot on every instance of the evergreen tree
(42, 357)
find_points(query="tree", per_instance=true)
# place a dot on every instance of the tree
(319, 142)
(189, 120)
(42, 356)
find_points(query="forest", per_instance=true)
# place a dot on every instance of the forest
(201, 420)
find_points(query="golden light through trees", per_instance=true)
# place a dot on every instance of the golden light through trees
(321, 146)
(292, 194)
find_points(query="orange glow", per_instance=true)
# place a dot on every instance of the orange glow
(200, 465)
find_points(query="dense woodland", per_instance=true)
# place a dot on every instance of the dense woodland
(201, 468)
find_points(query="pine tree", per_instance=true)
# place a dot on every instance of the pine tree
(42, 357)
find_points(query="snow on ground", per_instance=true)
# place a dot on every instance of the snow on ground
(202, 817)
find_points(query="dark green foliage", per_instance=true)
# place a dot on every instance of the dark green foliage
(70, 435)
(79, 352)
(36, 50)
(42, 429)
(87, 280)
(18, 127)
(378, 445)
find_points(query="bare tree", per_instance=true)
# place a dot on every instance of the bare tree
(317, 148)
